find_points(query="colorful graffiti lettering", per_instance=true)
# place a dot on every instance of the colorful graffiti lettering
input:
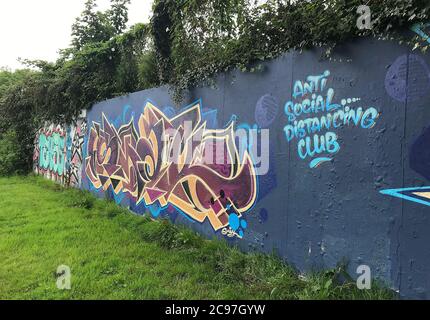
(50, 153)
(164, 160)
(58, 153)
(75, 143)
(310, 97)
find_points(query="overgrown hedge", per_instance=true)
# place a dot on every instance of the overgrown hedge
(205, 37)
(186, 43)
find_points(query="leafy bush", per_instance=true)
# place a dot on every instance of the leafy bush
(9, 153)
(16, 123)
(199, 38)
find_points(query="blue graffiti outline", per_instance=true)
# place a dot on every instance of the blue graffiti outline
(319, 161)
(211, 118)
(191, 105)
(126, 108)
(398, 194)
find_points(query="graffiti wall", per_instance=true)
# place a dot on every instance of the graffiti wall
(132, 161)
(50, 153)
(321, 161)
(58, 153)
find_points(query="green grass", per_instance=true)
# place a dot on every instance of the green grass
(114, 254)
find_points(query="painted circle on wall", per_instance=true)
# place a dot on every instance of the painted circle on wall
(415, 71)
(266, 111)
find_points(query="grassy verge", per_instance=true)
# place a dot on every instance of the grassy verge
(116, 255)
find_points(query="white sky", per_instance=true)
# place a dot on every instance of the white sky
(36, 29)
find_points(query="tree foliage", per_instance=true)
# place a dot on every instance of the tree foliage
(9, 154)
(206, 37)
(96, 26)
(9, 78)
